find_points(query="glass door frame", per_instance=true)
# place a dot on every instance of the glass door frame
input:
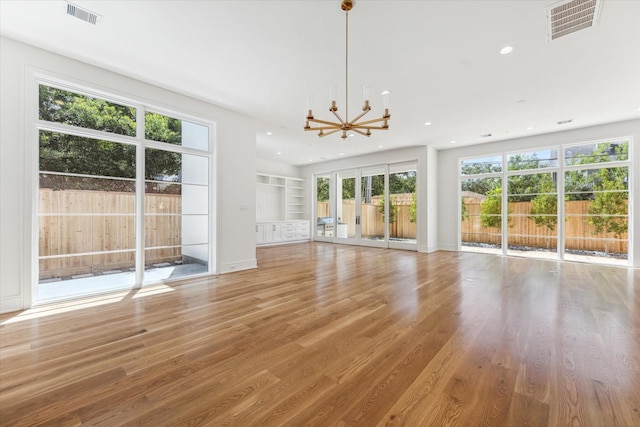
(396, 168)
(362, 173)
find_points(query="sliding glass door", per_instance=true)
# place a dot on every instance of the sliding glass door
(366, 213)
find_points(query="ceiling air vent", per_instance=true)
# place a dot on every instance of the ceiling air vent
(83, 14)
(570, 16)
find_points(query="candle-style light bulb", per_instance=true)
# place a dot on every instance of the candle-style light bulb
(385, 99)
(332, 93)
(365, 93)
(309, 107)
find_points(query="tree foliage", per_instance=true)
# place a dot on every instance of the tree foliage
(605, 186)
(544, 206)
(70, 154)
(491, 209)
(608, 213)
(464, 212)
(413, 209)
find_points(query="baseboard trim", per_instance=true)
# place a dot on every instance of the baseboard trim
(7, 305)
(238, 266)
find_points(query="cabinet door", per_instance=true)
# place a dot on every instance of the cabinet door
(272, 232)
(260, 233)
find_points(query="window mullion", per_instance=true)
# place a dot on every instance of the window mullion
(505, 206)
(140, 216)
(560, 193)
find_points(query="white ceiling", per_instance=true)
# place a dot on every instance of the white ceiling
(439, 59)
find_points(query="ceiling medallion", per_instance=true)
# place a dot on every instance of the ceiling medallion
(345, 125)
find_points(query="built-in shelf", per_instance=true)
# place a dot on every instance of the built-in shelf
(279, 198)
(280, 210)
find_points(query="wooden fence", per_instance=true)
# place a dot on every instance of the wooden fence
(523, 231)
(372, 219)
(105, 221)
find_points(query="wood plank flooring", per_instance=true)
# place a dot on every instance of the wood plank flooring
(332, 335)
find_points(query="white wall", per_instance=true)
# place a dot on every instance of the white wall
(235, 160)
(271, 167)
(448, 172)
(426, 208)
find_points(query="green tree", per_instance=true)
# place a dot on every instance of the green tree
(413, 209)
(402, 182)
(608, 213)
(392, 210)
(70, 154)
(544, 206)
(491, 209)
(322, 189)
(464, 212)
(580, 183)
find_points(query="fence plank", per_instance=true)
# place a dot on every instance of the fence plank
(73, 222)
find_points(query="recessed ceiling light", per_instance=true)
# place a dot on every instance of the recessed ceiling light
(269, 133)
(351, 135)
(342, 154)
(310, 160)
(530, 128)
(379, 146)
(505, 50)
(427, 123)
(453, 142)
(278, 153)
(385, 92)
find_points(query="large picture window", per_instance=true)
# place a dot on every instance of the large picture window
(569, 202)
(122, 201)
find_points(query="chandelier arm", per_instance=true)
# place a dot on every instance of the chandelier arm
(366, 122)
(360, 132)
(343, 122)
(361, 115)
(328, 133)
(371, 127)
(323, 128)
(326, 122)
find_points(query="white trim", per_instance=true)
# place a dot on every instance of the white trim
(238, 266)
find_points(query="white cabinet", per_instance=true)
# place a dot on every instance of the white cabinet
(282, 232)
(280, 210)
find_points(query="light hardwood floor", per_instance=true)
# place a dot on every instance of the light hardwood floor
(331, 335)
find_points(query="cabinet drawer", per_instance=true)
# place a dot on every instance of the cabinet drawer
(303, 227)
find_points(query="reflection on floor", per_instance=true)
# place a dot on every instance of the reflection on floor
(592, 259)
(51, 290)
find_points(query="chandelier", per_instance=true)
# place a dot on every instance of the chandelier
(345, 125)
